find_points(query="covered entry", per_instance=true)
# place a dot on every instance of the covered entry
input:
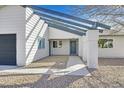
(7, 49)
(63, 27)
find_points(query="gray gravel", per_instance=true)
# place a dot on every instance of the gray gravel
(106, 76)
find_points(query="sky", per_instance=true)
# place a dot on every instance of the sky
(67, 9)
(60, 8)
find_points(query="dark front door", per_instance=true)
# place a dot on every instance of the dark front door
(8, 49)
(73, 48)
(49, 48)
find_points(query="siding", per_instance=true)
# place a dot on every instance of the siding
(34, 28)
(12, 21)
(117, 51)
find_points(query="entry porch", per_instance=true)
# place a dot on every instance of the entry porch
(64, 47)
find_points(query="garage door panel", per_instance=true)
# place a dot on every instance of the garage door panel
(8, 49)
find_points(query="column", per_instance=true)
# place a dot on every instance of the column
(92, 48)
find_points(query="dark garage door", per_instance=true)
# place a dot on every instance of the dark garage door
(8, 49)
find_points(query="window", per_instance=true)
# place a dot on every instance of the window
(57, 44)
(105, 43)
(41, 43)
(60, 44)
(54, 44)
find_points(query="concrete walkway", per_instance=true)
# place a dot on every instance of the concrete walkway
(80, 67)
(74, 67)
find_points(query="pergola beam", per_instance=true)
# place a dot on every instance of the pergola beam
(66, 25)
(70, 17)
(62, 14)
(65, 29)
(63, 20)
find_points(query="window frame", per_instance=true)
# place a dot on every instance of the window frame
(41, 43)
(107, 42)
(55, 44)
(60, 44)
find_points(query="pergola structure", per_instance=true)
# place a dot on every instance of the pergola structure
(67, 22)
(88, 30)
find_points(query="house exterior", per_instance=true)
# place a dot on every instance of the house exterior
(25, 37)
(117, 50)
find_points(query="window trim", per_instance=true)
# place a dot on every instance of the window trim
(41, 43)
(57, 44)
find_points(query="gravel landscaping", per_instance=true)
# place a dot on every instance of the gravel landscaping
(108, 75)
(58, 62)
(17, 80)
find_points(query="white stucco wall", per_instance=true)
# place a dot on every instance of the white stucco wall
(80, 46)
(12, 21)
(91, 52)
(84, 48)
(31, 37)
(60, 34)
(117, 51)
(65, 36)
(64, 50)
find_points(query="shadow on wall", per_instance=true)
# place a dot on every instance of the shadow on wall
(33, 47)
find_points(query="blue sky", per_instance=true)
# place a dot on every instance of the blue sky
(60, 8)
(63, 8)
(69, 9)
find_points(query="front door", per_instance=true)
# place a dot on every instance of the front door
(50, 48)
(73, 48)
